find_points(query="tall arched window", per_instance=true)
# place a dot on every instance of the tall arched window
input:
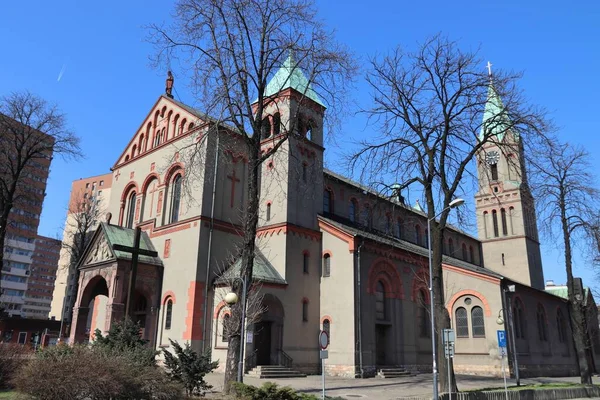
(418, 236)
(268, 216)
(519, 319)
(464, 251)
(380, 301)
(422, 316)
(266, 128)
(276, 124)
(495, 222)
(461, 322)
(168, 314)
(327, 328)
(485, 224)
(353, 210)
(541, 323)
(326, 265)
(494, 170)
(131, 211)
(450, 247)
(562, 327)
(367, 216)
(399, 229)
(327, 201)
(305, 263)
(504, 224)
(175, 199)
(471, 254)
(511, 211)
(388, 225)
(477, 322)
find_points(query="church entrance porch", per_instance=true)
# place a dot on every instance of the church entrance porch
(262, 336)
(381, 340)
(267, 332)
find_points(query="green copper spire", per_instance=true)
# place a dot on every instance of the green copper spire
(291, 76)
(495, 117)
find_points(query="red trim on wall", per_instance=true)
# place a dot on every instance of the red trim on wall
(168, 294)
(382, 270)
(470, 292)
(149, 179)
(324, 317)
(193, 321)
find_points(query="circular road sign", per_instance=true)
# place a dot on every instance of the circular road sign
(323, 340)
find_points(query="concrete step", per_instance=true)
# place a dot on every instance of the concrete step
(392, 372)
(274, 371)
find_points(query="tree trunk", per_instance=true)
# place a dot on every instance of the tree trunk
(3, 226)
(250, 218)
(575, 305)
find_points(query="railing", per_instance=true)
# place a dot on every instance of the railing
(250, 361)
(281, 358)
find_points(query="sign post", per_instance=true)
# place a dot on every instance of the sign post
(449, 339)
(323, 343)
(502, 351)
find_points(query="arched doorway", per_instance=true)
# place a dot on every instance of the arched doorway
(268, 332)
(140, 312)
(95, 291)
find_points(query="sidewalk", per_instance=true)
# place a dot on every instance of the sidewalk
(382, 389)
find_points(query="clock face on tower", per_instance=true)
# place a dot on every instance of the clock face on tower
(492, 157)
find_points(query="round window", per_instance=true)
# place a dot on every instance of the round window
(468, 301)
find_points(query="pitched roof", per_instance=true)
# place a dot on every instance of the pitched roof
(263, 271)
(290, 75)
(124, 236)
(563, 291)
(495, 118)
(381, 237)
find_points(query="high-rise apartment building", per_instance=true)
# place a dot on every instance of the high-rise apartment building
(41, 281)
(89, 197)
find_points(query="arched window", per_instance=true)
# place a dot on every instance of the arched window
(276, 124)
(327, 328)
(418, 238)
(477, 323)
(353, 210)
(504, 224)
(519, 319)
(562, 327)
(367, 216)
(511, 212)
(130, 211)
(168, 314)
(268, 212)
(471, 254)
(134, 151)
(541, 323)
(495, 222)
(485, 224)
(464, 251)
(305, 263)
(309, 129)
(266, 128)
(191, 126)
(494, 170)
(450, 247)
(380, 301)
(175, 199)
(422, 314)
(399, 229)
(326, 265)
(388, 225)
(461, 322)
(182, 126)
(327, 201)
(226, 328)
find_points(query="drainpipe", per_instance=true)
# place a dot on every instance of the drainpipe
(209, 252)
(360, 351)
(157, 340)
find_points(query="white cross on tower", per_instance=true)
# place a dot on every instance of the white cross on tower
(489, 67)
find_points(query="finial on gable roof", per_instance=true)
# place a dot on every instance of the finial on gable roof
(169, 85)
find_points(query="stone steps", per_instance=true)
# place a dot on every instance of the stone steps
(392, 372)
(274, 372)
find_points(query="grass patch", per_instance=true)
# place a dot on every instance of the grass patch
(558, 385)
(8, 395)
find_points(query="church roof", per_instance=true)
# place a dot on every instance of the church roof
(381, 237)
(563, 291)
(263, 271)
(495, 118)
(291, 76)
(124, 236)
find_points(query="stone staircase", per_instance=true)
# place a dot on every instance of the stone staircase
(274, 372)
(392, 372)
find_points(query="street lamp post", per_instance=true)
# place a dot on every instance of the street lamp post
(454, 203)
(232, 298)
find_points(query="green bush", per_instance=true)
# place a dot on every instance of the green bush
(270, 391)
(124, 338)
(189, 368)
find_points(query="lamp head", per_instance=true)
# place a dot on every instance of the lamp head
(231, 298)
(456, 203)
(500, 321)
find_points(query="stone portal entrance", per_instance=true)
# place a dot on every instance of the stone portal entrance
(104, 271)
(268, 333)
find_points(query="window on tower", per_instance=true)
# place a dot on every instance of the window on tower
(495, 222)
(504, 224)
(494, 171)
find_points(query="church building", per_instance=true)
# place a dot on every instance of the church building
(332, 254)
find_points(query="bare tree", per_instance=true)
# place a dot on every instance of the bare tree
(31, 133)
(567, 197)
(84, 213)
(430, 105)
(233, 48)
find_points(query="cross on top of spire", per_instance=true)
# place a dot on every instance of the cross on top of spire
(489, 67)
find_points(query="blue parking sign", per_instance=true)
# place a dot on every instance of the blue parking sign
(501, 338)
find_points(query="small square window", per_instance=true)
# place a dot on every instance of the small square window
(101, 183)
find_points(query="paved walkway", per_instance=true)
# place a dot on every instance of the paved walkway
(382, 389)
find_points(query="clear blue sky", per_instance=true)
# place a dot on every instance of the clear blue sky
(108, 86)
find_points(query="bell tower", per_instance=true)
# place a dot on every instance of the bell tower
(506, 219)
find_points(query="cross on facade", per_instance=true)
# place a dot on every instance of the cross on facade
(135, 251)
(154, 190)
(234, 180)
(489, 67)
(117, 175)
